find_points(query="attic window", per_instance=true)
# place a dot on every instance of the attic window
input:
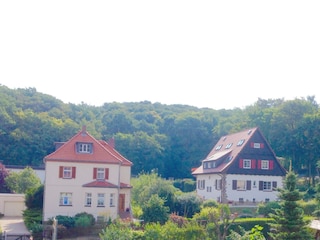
(219, 147)
(240, 142)
(229, 145)
(84, 147)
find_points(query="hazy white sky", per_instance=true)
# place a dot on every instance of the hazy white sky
(216, 54)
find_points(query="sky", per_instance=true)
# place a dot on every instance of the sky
(215, 54)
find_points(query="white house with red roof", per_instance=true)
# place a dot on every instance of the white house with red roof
(86, 175)
(240, 168)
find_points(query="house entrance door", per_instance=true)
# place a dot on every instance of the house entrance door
(122, 198)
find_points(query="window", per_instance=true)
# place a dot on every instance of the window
(229, 145)
(267, 186)
(240, 142)
(100, 173)
(209, 189)
(67, 172)
(84, 147)
(88, 200)
(257, 145)
(112, 195)
(100, 202)
(201, 184)
(264, 164)
(241, 185)
(247, 163)
(218, 147)
(65, 199)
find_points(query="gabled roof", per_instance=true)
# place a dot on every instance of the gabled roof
(227, 150)
(102, 152)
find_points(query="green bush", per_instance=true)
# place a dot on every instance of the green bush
(309, 207)
(266, 208)
(31, 217)
(84, 219)
(66, 221)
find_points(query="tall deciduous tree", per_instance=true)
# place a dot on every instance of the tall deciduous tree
(288, 222)
(21, 182)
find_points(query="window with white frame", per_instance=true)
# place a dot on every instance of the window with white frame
(209, 189)
(88, 200)
(201, 184)
(112, 196)
(65, 199)
(267, 186)
(100, 173)
(67, 172)
(247, 163)
(218, 184)
(84, 147)
(264, 164)
(100, 200)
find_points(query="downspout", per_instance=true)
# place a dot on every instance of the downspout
(118, 198)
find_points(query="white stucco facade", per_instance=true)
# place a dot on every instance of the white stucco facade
(252, 188)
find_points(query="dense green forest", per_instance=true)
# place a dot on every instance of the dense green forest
(169, 138)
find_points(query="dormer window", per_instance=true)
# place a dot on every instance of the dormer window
(218, 147)
(240, 142)
(84, 147)
(229, 145)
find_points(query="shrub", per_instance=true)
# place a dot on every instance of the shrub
(66, 221)
(84, 218)
(266, 208)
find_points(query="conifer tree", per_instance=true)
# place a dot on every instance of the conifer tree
(288, 222)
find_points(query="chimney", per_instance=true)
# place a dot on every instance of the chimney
(111, 142)
(84, 129)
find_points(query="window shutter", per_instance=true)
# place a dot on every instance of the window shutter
(253, 163)
(241, 163)
(234, 184)
(94, 173)
(73, 172)
(261, 145)
(60, 172)
(259, 164)
(274, 185)
(271, 164)
(260, 185)
(249, 185)
(106, 173)
(216, 183)
(252, 144)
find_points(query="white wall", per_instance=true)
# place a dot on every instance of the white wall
(234, 195)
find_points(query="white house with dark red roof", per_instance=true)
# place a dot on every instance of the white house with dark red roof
(86, 175)
(241, 168)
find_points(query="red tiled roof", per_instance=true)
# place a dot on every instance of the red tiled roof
(231, 152)
(102, 152)
(105, 184)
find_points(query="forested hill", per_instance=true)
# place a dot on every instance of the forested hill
(170, 138)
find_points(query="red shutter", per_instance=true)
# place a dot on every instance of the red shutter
(107, 173)
(259, 164)
(270, 164)
(253, 163)
(261, 145)
(252, 144)
(241, 163)
(60, 172)
(94, 173)
(73, 172)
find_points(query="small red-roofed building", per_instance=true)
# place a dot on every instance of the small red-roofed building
(86, 175)
(241, 168)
